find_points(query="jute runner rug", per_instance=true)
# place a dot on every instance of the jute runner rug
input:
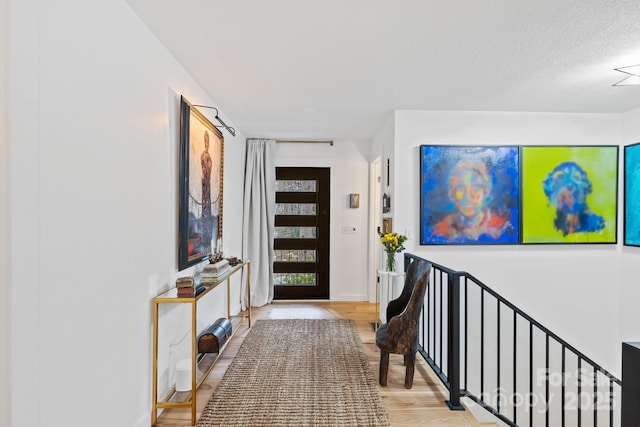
(302, 372)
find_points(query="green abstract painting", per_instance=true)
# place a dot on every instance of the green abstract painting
(569, 194)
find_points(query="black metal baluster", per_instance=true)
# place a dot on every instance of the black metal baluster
(546, 385)
(515, 347)
(429, 290)
(482, 345)
(422, 320)
(530, 374)
(595, 397)
(610, 402)
(498, 358)
(466, 332)
(453, 333)
(435, 320)
(440, 322)
(562, 392)
(579, 391)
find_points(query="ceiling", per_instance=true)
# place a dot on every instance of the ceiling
(335, 69)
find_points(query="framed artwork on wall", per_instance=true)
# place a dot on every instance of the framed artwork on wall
(632, 195)
(569, 194)
(387, 225)
(386, 203)
(354, 200)
(200, 187)
(469, 195)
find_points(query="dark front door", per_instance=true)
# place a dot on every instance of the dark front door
(301, 243)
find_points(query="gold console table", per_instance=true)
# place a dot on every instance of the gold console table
(201, 363)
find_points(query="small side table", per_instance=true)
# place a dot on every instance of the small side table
(389, 278)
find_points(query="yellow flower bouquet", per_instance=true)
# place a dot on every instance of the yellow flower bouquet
(393, 243)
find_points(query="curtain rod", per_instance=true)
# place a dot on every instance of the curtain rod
(285, 141)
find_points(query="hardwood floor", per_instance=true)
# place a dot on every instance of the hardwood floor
(422, 405)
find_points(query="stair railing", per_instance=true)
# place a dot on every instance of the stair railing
(484, 348)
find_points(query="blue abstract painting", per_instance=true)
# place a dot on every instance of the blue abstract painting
(469, 195)
(632, 195)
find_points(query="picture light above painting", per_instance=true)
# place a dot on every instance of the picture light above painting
(497, 195)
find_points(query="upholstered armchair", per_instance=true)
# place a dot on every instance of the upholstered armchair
(400, 334)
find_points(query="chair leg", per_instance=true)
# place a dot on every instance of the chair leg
(384, 367)
(410, 361)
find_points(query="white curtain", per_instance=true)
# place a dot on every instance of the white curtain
(258, 220)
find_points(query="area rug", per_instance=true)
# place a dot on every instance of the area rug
(298, 372)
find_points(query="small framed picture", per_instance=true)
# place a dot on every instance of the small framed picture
(354, 200)
(387, 225)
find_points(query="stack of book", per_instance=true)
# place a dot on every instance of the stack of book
(212, 272)
(189, 286)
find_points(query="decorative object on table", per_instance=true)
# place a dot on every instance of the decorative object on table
(218, 267)
(226, 325)
(632, 195)
(569, 194)
(213, 338)
(183, 375)
(188, 281)
(185, 282)
(200, 186)
(469, 195)
(215, 257)
(189, 286)
(393, 243)
(212, 272)
(233, 261)
(191, 291)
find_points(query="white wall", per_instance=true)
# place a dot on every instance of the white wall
(94, 145)
(571, 289)
(24, 240)
(5, 307)
(348, 161)
(382, 143)
(630, 259)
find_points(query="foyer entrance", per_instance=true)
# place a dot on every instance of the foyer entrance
(301, 239)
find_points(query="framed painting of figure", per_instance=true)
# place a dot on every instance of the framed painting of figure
(632, 195)
(569, 194)
(469, 195)
(200, 187)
